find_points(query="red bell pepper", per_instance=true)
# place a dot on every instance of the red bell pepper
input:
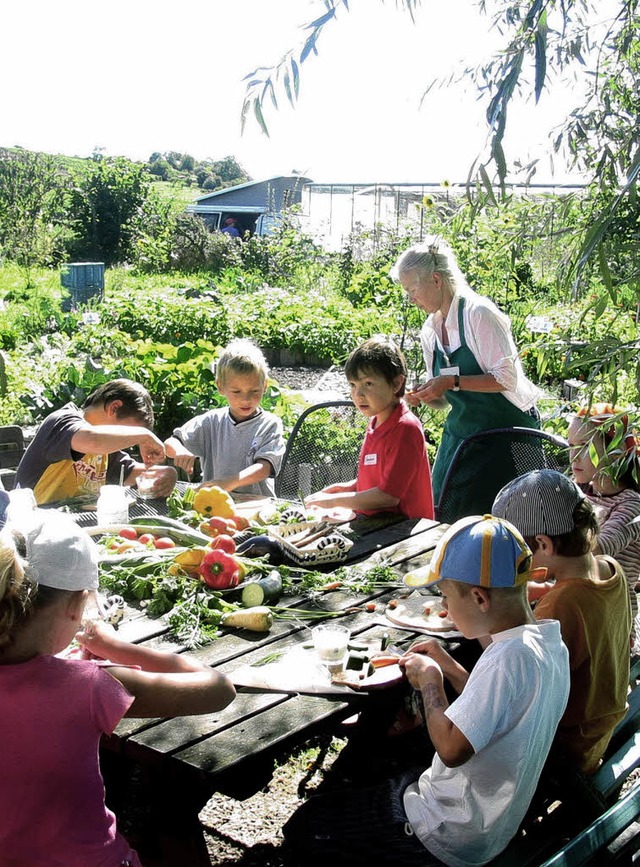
(219, 570)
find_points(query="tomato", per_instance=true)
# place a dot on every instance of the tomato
(164, 542)
(224, 543)
(146, 538)
(214, 527)
(128, 533)
(241, 522)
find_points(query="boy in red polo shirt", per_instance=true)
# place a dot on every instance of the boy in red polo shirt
(394, 473)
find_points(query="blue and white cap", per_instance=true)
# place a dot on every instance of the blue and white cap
(480, 550)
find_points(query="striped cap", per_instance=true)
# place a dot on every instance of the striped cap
(483, 551)
(541, 502)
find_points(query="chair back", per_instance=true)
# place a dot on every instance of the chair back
(484, 462)
(323, 448)
(11, 451)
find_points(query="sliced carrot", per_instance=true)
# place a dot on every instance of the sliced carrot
(427, 610)
(370, 606)
(332, 586)
(393, 603)
(443, 614)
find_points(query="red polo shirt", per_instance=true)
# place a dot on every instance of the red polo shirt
(394, 458)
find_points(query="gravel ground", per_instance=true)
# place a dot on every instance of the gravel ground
(248, 833)
(315, 383)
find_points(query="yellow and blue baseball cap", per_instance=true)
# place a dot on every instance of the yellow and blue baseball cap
(480, 550)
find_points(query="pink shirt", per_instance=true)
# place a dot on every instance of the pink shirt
(52, 714)
(394, 458)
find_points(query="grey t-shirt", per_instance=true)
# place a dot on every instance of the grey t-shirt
(225, 446)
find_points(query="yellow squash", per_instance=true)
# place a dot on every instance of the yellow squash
(214, 501)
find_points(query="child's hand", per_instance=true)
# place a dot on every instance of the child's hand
(320, 499)
(151, 450)
(184, 460)
(431, 647)
(421, 669)
(96, 640)
(164, 480)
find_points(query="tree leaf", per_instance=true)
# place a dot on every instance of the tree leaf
(541, 54)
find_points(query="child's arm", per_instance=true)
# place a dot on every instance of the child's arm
(452, 670)
(105, 439)
(257, 472)
(425, 674)
(360, 501)
(168, 685)
(182, 457)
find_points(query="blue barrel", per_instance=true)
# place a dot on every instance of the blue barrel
(84, 280)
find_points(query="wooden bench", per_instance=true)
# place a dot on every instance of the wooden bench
(604, 842)
(542, 833)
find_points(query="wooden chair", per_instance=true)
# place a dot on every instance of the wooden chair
(475, 476)
(323, 448)
(11, 451)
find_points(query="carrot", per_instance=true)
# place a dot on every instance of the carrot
(332, 586)
(370, 606)
(443, 614)
(427, 610)
(382, 661)
(393, 603)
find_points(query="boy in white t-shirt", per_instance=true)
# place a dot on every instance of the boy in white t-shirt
(491, 742)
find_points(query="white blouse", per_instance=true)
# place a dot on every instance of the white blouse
(488, 335)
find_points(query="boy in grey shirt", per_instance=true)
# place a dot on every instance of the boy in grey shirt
(241, 445)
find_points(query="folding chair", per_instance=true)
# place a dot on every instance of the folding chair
(11, 451)
(323, 448)
(475, 475)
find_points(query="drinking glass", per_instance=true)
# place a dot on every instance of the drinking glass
(330, 642)
(145, 482)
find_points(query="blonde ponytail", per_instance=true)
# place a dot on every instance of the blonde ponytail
(16, 590)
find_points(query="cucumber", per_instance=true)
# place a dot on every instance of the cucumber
(264, 591)
(180, 533)
(356, 661)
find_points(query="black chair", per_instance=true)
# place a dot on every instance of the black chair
(323, 448)
(475, 475)
(11, 451)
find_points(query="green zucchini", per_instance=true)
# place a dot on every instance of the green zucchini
(264, 591)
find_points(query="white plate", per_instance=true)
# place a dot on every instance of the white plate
(421, 613)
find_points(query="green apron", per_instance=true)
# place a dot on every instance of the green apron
(472, 412)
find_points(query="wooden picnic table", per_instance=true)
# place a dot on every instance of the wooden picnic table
(186, 759)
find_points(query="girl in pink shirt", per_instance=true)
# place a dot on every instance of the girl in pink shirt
(53, 710)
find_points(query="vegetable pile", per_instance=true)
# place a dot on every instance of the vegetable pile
(196, 577)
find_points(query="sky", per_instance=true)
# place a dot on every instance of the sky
(133, 77)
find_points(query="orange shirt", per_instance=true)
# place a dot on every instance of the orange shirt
(595, 621)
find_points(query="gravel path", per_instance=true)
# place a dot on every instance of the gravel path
(315, 383)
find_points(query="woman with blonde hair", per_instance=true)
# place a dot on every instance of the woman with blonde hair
(472, 364)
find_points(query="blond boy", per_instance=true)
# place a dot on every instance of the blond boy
(240, 445)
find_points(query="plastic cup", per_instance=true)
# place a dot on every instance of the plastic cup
(330, 642)
(145, 482)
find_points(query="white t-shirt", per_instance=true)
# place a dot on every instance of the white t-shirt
(509, 711)
(225, 446)
(488, 335)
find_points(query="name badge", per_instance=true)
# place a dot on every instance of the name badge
(370, 460)
(449, 371)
